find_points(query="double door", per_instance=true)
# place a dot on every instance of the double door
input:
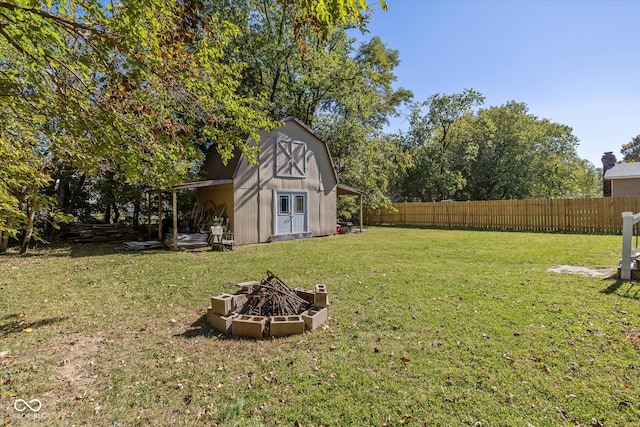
(291, 212)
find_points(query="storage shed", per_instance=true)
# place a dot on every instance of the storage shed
(290, 194)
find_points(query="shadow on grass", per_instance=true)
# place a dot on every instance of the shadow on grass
(201, 328)
(67, 250)
(16, 323)
(617, 288)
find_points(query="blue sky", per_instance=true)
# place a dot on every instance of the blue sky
(573, 62)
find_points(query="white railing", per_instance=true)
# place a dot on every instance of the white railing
(629, 219)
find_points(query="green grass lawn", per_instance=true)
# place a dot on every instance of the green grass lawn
(427, 327)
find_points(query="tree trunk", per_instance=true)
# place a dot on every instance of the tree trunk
(4, 242)
(63, 189)
(29, 230)
(107, 214)
(136, 213)
(75, 196)
(116, 214)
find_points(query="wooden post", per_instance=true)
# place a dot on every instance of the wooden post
(149, 215)
(160, 215)
(175, 219)
(361, 197)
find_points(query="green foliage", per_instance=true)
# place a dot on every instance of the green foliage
(323, 16)
(631, 150)
(521, 156)
(134, 88)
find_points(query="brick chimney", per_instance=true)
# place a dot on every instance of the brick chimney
(608, 161)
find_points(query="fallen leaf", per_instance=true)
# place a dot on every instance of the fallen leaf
(405, 359)
(28, 330)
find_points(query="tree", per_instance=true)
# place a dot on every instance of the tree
(521, 156)
(352, 121)
(440, 145)
(631, 150)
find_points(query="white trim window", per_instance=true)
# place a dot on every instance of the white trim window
(291, 159)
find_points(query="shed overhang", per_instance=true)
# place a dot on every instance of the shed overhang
(345, 190)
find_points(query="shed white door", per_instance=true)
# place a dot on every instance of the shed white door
(291, 213)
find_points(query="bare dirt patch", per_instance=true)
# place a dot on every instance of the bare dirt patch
(76, 358)
(582, 271)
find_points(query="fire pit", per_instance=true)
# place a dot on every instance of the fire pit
(268, 308)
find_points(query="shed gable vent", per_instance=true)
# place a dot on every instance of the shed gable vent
(291, 159)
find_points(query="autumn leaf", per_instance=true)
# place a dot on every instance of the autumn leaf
(405, 359)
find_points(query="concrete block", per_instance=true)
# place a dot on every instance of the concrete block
(286, 325)
(248, 326)
(321, 298)
(221, 323)
(223, 304)
(308, 296)
(314, 318)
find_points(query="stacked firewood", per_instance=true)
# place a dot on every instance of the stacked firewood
(272, 297)
(98, 233)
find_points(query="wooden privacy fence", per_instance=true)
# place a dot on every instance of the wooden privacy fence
(589, 215)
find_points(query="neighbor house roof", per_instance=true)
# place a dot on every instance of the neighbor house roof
(623, 171)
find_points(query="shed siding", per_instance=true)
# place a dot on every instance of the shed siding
(625, 187)
(254, 185)
(248, 215)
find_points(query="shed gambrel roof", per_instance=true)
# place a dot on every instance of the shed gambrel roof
(215, 169)
(623, 171)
